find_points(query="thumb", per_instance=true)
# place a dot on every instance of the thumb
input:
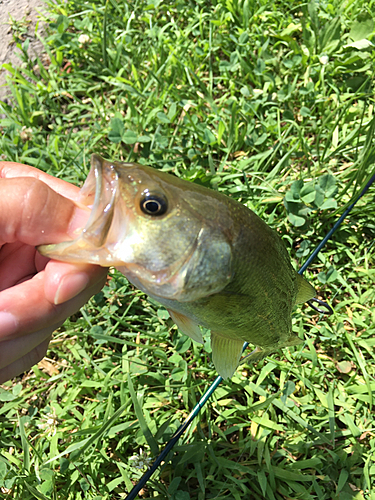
(32, 213)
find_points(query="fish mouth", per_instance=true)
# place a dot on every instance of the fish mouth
(99, 193)
(102, 184)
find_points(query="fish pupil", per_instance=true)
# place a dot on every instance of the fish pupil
(152, 204)
(152, 207)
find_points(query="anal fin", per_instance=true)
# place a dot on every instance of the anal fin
(226, 354)
(187, 326)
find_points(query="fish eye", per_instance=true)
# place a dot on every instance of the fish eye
(154, 204)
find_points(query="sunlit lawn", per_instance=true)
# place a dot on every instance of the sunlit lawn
(271, 103)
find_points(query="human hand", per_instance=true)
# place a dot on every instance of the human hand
(37, 294)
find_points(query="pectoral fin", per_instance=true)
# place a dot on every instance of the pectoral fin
(305, 290)
(226, 354)
(187, 326)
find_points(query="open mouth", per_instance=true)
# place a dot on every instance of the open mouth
(99, 192)
(102, 183)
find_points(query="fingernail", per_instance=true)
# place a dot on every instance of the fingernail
(8, 324)
(70, 286)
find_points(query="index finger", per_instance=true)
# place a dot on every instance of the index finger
(9, 169)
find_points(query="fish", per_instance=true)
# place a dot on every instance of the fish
(208, 259)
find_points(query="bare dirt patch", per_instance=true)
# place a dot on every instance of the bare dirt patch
(18, 18)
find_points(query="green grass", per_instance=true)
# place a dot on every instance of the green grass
(271, 103)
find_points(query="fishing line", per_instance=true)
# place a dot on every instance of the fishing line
(328, 309)
(146, 476)
(335, 227)
(197, 408)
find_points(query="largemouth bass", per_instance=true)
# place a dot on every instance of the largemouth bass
(207, 258)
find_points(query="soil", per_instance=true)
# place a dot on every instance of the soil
(18, 18)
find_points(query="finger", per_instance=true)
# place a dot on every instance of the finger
(10, 170)
(31, 212)
(63, 281)
(17, 263)
(24, 308)
(17, 348)
(24, 362)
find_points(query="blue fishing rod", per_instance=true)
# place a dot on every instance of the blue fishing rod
(197, 408)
